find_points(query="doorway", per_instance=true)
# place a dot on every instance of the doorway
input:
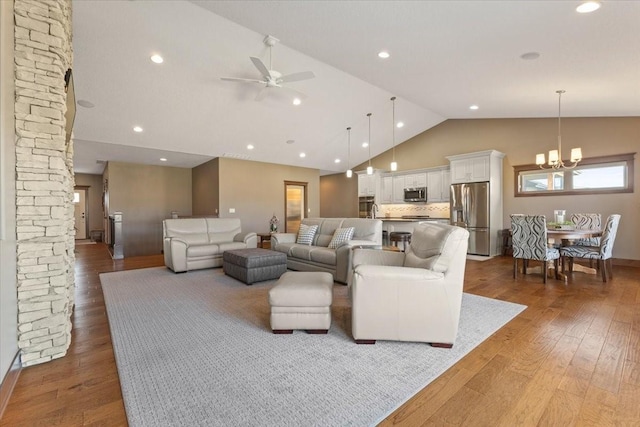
(81, 211)
(295, 205)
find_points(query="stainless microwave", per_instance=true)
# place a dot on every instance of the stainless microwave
(418, 194)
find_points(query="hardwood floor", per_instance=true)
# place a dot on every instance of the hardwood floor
(571, 358)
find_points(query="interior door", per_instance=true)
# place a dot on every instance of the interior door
(295, 205)
(80, 212)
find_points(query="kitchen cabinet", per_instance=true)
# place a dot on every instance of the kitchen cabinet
(415, 180)
(366, 185)
(434, 186)
(386, 190)
(473, 169)
(438, 182)
(398, 189)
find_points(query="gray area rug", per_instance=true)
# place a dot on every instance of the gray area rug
(195, 349)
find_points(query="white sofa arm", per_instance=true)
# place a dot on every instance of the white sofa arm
(175, 254)
(377, 257)
(282, 238)
(250, 239)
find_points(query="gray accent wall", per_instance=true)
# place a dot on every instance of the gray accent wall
(206, 183)
(146, 195)
(255, 190)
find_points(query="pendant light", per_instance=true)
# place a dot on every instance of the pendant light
(349, 171)
(555, 156)
(394, 165)
(369, 168)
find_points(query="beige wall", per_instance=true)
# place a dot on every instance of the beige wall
(520, 140)
(206, 183)
(338, 196)
(95, 214)
(256, 191)
(146, 195)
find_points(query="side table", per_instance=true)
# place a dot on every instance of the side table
(262, 239)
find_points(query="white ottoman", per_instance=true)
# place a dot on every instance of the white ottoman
(301, 300)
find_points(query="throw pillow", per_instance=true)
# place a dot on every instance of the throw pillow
(340, 236)
(306, 233)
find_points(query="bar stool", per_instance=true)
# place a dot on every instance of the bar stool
(400, 236)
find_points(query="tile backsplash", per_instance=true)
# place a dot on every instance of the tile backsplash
(434, 210)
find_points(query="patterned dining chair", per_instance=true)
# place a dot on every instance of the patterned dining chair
(602, 253)
(587, 221)
(529, 242)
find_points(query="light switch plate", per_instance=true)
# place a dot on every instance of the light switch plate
(232, 210)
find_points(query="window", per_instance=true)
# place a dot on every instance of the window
(608, 174)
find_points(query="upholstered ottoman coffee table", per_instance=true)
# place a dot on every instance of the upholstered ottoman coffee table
(254, 265)
(301, 300)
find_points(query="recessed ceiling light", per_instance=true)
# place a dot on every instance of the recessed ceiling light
(365, 144)
(162, 159)
(336, 161)
(250, 147)
(303, 155)
(297, 101)
(530, 56)
(137, 129)
(157, 59)
(588, 6)
(384, 54)
(400, 124)
(473, 107)
(86, 104)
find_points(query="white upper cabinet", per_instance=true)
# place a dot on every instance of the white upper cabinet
(415, 180)
(398, 189)
(387, 189)
(366, 185)
(475, 167)
(434, 186)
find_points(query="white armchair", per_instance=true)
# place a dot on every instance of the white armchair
(411, 296)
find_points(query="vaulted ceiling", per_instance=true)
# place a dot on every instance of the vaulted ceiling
(444, 57)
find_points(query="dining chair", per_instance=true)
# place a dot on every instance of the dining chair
(601, 253)
(529, 242)
(587, 221)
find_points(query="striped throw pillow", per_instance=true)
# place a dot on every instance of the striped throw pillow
(306, 233)
(340, 236)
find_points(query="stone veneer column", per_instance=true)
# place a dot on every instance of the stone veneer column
(44, 180)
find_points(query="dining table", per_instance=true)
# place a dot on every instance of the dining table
(566, 237)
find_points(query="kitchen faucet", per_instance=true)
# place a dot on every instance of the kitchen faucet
(374, 209)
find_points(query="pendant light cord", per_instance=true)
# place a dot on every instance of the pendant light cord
(393, 129)
(349, 148)
(369, 115)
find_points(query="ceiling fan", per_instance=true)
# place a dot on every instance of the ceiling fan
(271, 78)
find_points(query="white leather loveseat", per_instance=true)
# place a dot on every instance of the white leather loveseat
(318, 256)
(195, 243)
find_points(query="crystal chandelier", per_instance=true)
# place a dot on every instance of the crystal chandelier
(555, 156)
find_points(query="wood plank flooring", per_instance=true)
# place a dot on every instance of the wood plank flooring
(571, 358)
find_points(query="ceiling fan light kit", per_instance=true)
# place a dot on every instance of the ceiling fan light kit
(271, 78)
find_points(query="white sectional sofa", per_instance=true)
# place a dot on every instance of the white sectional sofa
(195, 243)
(318, 256)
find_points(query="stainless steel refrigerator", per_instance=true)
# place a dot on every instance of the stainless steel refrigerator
(470, 210)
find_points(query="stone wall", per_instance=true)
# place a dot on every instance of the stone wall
(44, 180)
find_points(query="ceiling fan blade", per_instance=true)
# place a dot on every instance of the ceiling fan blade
(260, 66)
(262, 94)
(296, 77)
(234, 79)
